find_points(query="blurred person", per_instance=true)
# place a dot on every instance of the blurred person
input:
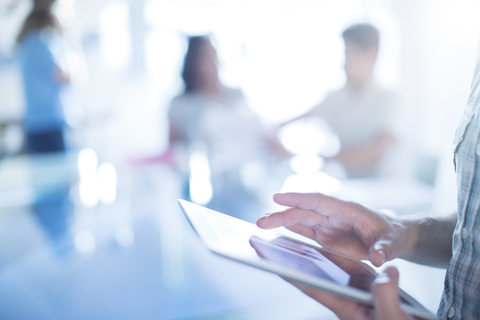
(360, 113)
(40, 51)
(39, 55)
(218, 117)
(439, 241)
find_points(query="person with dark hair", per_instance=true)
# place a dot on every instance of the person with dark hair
(202, 87)
(39, 55)
(361, 49)
(363, 35)
(360, 113)
(200, 70)
(217, 117)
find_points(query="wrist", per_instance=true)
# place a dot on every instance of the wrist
(408, 230)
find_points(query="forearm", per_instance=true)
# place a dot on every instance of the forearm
(428, 239)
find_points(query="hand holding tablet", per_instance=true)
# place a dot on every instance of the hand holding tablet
(339, 281)
(352, 229)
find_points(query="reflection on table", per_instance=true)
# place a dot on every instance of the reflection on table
(69, 252)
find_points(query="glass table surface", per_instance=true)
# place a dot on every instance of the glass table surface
(136, 257)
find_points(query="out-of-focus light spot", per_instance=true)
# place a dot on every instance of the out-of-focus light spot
(88, 189)
(87, 170)
(107, 183)
(309, 136)
(124, 237)
(318, 182)
(87, 163)
(199, 164)
(85, 242)
(200, 190)
(306, 164)
(115, 39)
(200, 185)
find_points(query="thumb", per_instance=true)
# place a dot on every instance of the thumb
(385, 296)
(380, 252)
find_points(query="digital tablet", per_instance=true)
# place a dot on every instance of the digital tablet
(295, 258)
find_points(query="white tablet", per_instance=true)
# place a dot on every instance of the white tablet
(296, 258)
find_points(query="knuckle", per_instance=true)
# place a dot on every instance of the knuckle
(355, 206)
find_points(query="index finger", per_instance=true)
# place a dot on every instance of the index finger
(291, 217)
(317, 202)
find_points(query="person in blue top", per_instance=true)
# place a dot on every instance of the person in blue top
(39, 54)
(39, 57)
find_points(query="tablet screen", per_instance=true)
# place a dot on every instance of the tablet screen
(313, 261)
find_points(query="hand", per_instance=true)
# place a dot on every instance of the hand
(342, 226)
(385, 300)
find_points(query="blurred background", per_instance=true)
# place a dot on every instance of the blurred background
(91, 229)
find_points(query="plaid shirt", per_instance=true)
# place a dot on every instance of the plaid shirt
(461, 296)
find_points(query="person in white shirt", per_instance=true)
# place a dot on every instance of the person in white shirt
(234, 139)
(361, 113)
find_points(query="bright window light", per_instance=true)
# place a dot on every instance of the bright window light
(309, 136)
(115, 36)
(306, 164)
(318, 182)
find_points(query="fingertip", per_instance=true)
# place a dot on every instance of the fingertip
(385, 295)
(263, 222)
(389, 275)
(377, 256)
(392, 272)
(277, 196)
(380, 252)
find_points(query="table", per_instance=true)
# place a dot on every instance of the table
(92, 272)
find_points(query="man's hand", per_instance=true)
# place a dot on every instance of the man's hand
(339, 225)
(385, 300)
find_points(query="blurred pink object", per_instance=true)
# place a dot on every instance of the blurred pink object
(168, 158)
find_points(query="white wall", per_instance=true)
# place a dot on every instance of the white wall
(439, 42)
